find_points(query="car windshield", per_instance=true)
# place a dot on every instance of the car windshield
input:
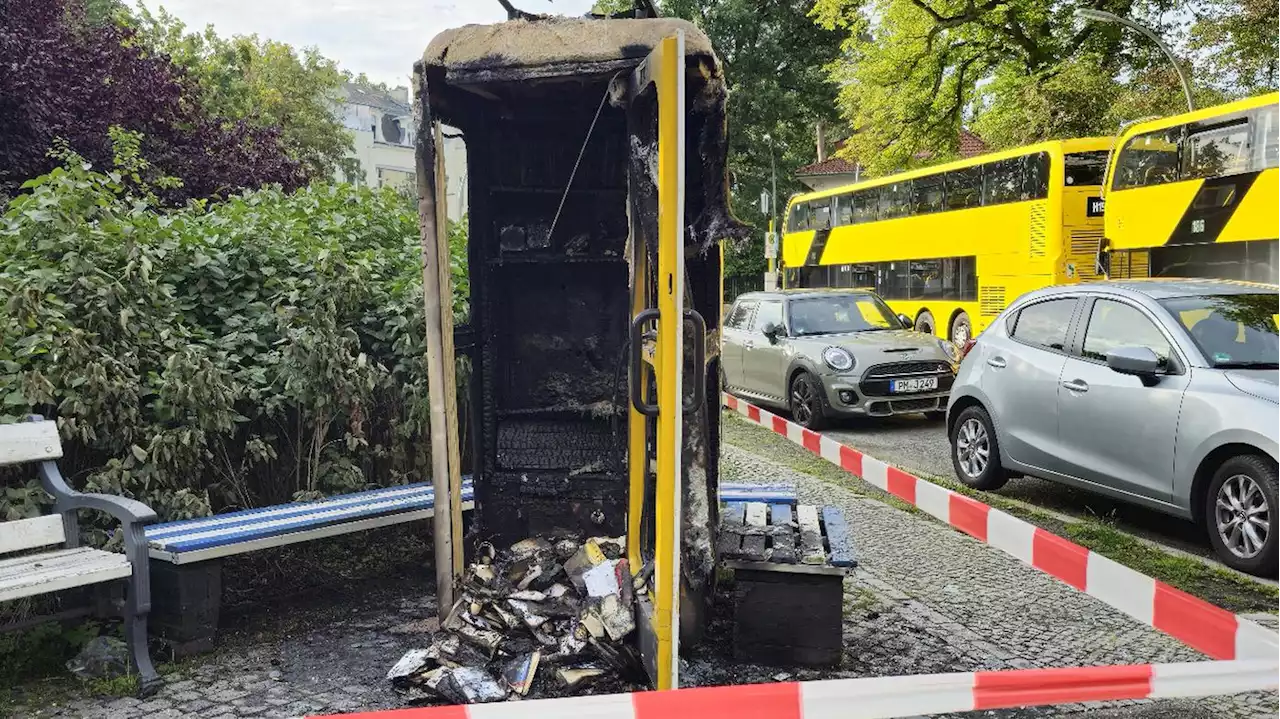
(1232, 330)
(835, 314)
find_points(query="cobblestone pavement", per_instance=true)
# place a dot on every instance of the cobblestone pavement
(325, 659)
(926, 599)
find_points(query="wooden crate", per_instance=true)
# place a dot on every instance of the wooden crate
(789, 567)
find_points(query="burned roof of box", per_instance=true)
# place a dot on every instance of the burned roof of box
(551, 47)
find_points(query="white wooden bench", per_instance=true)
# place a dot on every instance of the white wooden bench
(48, 555)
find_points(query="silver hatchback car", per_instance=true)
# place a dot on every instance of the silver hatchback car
(823, 354)
(1159, 392)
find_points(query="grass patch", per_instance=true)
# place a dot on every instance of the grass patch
(1227, 590)
(1213, 584)
(859, 600)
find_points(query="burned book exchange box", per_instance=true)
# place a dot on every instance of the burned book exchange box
(562, 196)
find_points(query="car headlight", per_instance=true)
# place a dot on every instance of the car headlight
(838, 359)
(950, 350)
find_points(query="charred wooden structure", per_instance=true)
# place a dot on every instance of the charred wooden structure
(561, 182)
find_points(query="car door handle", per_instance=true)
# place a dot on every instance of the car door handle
(997, 362)
(1076, 385)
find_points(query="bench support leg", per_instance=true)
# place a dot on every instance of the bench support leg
(135, 627)
(188, 599)
(136, 607)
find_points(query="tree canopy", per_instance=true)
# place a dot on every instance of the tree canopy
(265, 83)
(914, 72)
(72, 74)
(774, 58)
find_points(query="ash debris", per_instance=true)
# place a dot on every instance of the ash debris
(541, 618)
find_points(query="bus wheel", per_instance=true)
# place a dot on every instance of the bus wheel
(924, 323)
(961, 330)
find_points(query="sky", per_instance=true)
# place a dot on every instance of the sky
(380, 38)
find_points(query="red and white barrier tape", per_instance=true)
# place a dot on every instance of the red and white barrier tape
(1214, 631)
(884, 697)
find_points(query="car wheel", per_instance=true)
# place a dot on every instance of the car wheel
(806, 402)
(924, 323)
(1240, 510)
(975, 452)
(961, 330)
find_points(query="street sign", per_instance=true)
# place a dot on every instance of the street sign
(771, 245)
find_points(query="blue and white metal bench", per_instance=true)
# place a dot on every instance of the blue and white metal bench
(185, 555)
(187, 574)
(780, 493)
(197, 540)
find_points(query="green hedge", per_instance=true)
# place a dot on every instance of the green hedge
(264, 349)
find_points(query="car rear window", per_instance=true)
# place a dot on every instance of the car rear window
(1044, 324)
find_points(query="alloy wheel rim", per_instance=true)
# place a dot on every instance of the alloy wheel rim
(961, 334)
(973, 448)
(1243, 516)
(801, 396)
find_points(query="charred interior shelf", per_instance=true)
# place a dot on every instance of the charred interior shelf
(558, 190)
(554, 260)
(550, 413)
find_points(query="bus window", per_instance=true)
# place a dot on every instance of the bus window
(1217, 151)
(844, 210)
(926, 279)
(927, 195)
(1085, 168)
(842, 276)
(964, 188)
(892, 280)
(799, 217)
(1150, 159)
(1035, 176)
(864, 276)
(820, 214)
(895, 200)
(1266, 139)
(865, 204)
(1001, 181)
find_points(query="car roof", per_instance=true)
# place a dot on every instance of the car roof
(802, 292)
(1167, 288)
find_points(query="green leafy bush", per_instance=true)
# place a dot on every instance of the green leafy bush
(264, 349)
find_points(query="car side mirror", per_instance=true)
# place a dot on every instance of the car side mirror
(1137, 361)
(772, 331)
(906, 322)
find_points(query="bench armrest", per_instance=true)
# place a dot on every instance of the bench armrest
(127, 511)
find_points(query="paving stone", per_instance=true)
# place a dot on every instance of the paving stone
(196, 705)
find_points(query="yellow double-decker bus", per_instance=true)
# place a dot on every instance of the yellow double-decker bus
(950, 246)
(1194, 195)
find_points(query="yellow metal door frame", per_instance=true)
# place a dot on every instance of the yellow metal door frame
(664, 68)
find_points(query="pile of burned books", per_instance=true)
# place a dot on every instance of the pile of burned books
(540, 618)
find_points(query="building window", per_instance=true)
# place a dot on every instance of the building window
(401, 179)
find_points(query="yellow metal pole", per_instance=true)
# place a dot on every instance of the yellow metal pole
(670, 84)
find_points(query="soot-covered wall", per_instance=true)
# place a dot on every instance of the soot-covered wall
(552, 310)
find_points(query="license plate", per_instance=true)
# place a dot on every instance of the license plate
(916, 384)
